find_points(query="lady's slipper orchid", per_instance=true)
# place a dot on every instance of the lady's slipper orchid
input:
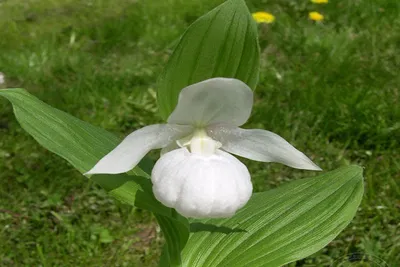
(195, 174)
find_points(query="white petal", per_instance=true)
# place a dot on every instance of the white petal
(217, 100)
(136, 145)
(201, 187)
(260, 145)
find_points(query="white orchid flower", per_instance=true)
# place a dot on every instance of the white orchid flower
(195, 174)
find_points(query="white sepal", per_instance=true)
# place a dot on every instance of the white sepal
(216, 100)
(200, 186)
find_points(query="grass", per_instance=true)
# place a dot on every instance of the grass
(330, 88)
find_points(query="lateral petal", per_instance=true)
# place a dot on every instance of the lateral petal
(260, 145)
(136, 145)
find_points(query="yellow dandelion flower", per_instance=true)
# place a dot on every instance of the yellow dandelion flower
(263, 17)
(320, 1)
(315, 16)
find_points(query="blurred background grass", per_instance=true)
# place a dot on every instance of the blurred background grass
(330, 88)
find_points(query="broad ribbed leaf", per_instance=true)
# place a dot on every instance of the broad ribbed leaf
(279, 226)
(222, 43)
(82, 145)
(79, 142)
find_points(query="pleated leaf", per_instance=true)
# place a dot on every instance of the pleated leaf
(79, 142)
(82, 145)
(222, 43)
(279, 226)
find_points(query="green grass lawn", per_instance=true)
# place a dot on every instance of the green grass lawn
(332, 89)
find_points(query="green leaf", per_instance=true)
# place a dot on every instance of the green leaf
(222, 43)
(279, 226)
(132, 190)
(82, 145)
(79, 142)
(176, 233)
